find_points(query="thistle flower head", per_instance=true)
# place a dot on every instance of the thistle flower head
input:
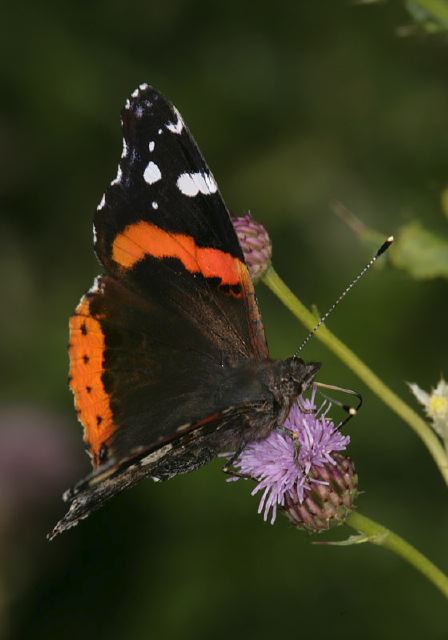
(255, 243)
(293, 459)
(436, 406)
(329, 499)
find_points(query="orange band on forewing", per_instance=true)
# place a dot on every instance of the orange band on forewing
(86, 352)
(143, 238)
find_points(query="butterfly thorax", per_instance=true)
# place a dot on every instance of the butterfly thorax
(266, 390)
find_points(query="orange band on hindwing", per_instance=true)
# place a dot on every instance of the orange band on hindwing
(86, 350)
(143, 238)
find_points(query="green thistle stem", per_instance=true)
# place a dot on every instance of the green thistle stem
(425, 433)
(379, 535)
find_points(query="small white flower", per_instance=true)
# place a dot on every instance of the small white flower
(436, 406)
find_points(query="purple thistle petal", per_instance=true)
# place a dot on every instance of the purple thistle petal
(282, 463)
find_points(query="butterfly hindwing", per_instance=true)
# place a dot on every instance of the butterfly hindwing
(142, 368)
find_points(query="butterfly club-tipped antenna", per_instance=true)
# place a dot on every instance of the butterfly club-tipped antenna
(350, 411)
(384, 247)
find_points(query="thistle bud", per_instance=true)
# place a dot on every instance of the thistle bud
(329, 499)
(255, 243)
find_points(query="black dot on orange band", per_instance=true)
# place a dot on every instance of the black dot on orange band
(85, 359)
(88, 389)
(99, 420)
(84, 329)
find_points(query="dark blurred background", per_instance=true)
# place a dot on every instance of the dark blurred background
(295, 105)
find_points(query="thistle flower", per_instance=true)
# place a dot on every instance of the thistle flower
(436, 406)
(298, 466)
(255, 243)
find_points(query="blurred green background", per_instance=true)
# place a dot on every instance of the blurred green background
(295, 106)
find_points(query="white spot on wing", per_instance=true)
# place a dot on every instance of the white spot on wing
(94, 234)
(176, 127)
(127, 104)
(183, 427)
(155, 455)
(155, 205)
(117, 180)
(102, 203)
(151, 145)
(152, 173)
(159, 132)
(134, 94)
(143, 86)
(96, 286)
(210, 183)
(124, 153)
(190, 184)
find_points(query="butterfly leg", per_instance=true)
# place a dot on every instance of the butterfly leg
(304, 409)
(290, 433)
(230, 470)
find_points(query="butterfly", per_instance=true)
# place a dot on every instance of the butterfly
(169, 365)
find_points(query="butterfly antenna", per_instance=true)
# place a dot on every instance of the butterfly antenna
(384, 247)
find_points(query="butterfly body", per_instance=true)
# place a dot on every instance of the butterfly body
(168, 360)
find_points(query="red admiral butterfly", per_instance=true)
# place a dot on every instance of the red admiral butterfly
(168, 358)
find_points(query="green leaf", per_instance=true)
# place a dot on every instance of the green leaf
(432, 15)
(351, 540)
(421, 253)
